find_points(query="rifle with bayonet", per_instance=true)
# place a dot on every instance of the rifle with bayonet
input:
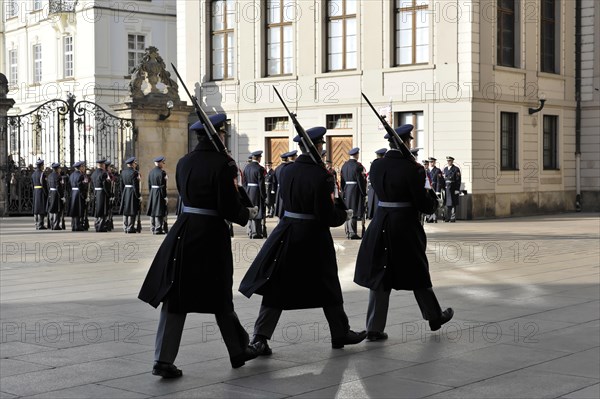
(310, 146)
(400, 144)
(213, 136)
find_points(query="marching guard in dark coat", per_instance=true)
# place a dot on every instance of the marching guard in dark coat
(193, 268)
(452, 184)
(131, 196)
(372, 199)
(78, 204)
(296, 268)
(157, 200)
(270, 199)
(392, 252)
(101, 183)
(354, 189)
(437, 184)
(40, 195)
(56, 198)
(254, 184)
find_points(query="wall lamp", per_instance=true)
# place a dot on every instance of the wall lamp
(163, 117)
(538, 109)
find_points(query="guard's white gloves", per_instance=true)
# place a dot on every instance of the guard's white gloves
(456, 192)
(252, 212)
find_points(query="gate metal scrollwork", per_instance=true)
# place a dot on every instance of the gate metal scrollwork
(65, 132)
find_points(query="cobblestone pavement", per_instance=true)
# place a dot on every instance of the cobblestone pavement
(525, 293)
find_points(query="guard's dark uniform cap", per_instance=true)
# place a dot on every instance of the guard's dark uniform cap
(55, 165)
(449, 158)
(354, 151)
(101, 160)
(257, 153)
(130, 160)
(292, 153)
(216, 120)
(415, 151)
(402, 131)
(107, 163)
(314, 133)
(425, 162)
(39, 162)
(432, 159)
(381, 151)
(159, 159)
(78, 164)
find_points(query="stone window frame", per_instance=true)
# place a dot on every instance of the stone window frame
(416, 10)
(285, 25)
(345, 18)
(226, 69)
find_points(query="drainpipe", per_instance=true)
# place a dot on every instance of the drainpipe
(578, 107)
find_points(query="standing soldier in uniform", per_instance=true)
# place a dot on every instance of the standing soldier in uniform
(354, 189)
(392, 252)
(452, 182)
(110, 226)
(254, 183)
(40, 195)
(331, 169)
(296, 268)
(371, 195)
(193, 269)
(288, 159)
(78, 205)
(157, 200)
(130, 195)
(270, 200)
(56, 198)
(101, 183)
(437, 184)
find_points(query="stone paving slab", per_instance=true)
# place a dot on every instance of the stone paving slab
(525, 291)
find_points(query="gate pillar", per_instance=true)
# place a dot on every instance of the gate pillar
(161, 120)
(5, 105)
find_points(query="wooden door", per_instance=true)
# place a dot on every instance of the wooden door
(275, 147)
(337, 150)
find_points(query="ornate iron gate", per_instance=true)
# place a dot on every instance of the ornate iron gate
(65, 132)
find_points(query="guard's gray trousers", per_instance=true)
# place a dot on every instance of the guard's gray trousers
(268, 318)
(39, 221)
(351, 227)
(255, 228)
(54, 220)
(170, 328)
(379, 302)
(451, 213)
(100, 223)
(157, 223)
(128, 222)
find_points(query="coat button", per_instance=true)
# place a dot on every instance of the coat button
(384, 266)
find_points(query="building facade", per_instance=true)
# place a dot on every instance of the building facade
(465, 73)
(589, 125)
(87, 48)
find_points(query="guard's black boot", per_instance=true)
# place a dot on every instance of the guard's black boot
(241, 359)
(351, 338)
(166, 370)
(446, 317)
(261, 345)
